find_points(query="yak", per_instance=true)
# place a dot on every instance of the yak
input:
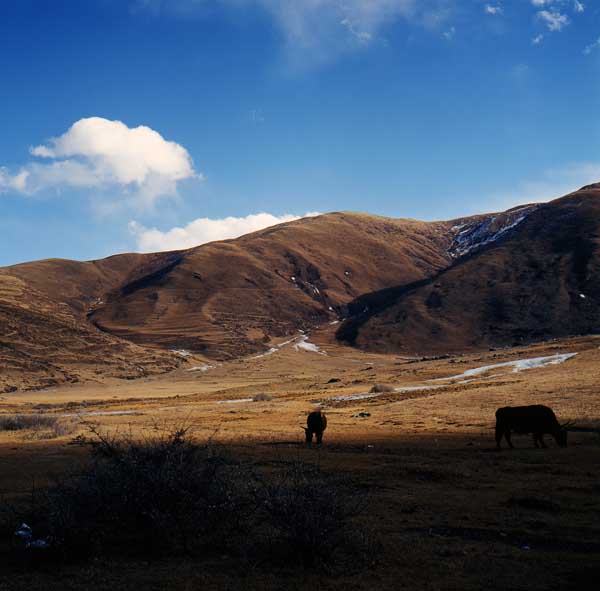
(536, 419)
(316, 423)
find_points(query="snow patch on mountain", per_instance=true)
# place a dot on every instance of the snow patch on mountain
(304, 345)
(469, 236)
(201, 368)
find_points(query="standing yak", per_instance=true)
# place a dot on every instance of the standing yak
(536, 419)
(316, 423)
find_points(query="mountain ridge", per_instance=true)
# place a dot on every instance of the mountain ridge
(230, 298)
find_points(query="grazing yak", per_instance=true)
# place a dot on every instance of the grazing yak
(536, 419)
(316, 423)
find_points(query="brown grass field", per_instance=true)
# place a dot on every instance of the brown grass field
(449, 511)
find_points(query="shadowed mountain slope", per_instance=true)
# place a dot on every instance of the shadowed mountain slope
(538, 280)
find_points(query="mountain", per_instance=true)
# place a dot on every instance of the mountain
(526, 274)
(222, 300)
(229, 298)
(537, 277)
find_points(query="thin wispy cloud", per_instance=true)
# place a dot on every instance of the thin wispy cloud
(316, 32)
(555, 14)
(362, 37)
(449, 34)
(547, 185)
(592, 47)
(204, 230)
(96, 153)
(493, 9)
(555, 21)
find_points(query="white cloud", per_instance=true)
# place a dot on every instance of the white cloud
(577, 6)
(491, 9)
(554, 20)
(363, 37)
(449, 34)
(14, 182)
(96, 153)
(553, 14)
(203, 230)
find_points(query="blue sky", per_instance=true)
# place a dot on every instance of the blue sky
(153, 124)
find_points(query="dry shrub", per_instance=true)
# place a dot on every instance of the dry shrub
(263, 397)
(170, 495)
(312, 520)
(22, 422)
(161, 496)
(41, 426)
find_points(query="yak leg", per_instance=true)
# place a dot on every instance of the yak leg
(541, 440)
(319, 437)
(499, 434)
(507, 437)
(535, 440)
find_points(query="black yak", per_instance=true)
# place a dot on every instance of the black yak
(316, 423)
(536, 419)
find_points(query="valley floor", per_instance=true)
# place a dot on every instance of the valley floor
(450, 511)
